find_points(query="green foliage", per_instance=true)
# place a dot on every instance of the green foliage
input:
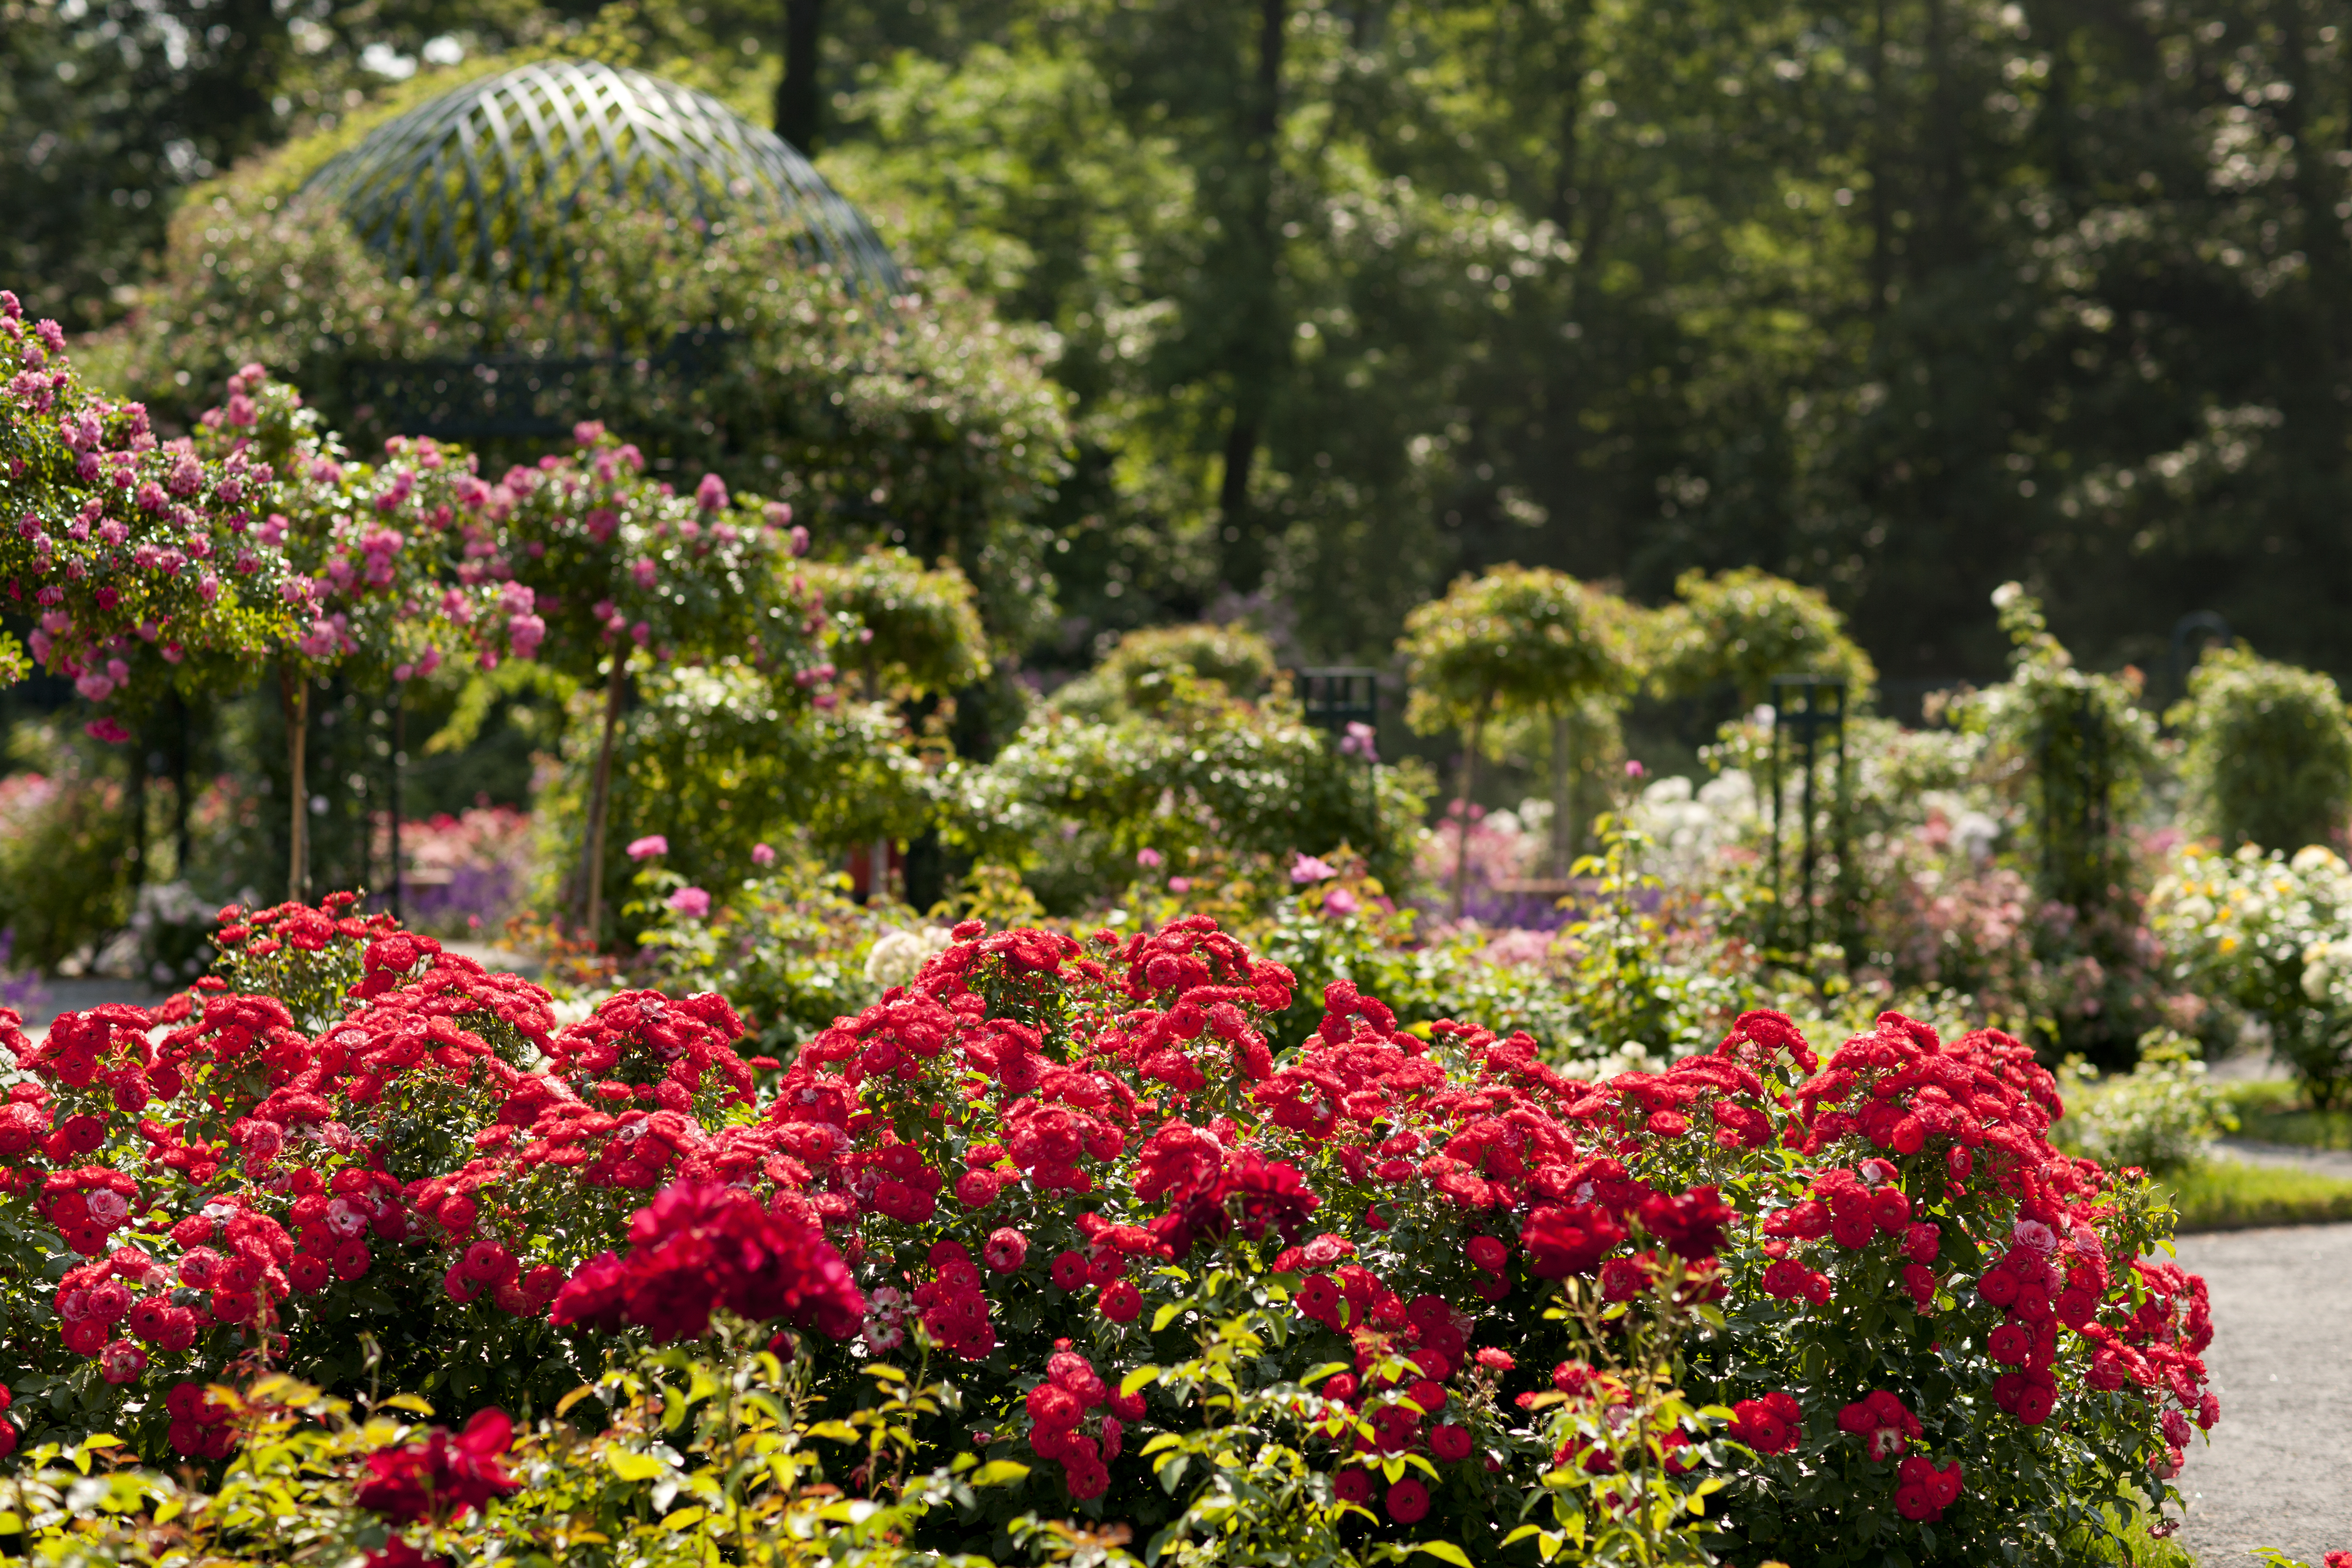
(65, 846)
(1636, 978)
(1514, 641)
(2162, 1117)
(2269, 759)
(1141, 672)
(1245, 780)
(2072, 748)
(788, 949)
(907, 631)
(1742, 627)
(723, 757)
(690, 1460)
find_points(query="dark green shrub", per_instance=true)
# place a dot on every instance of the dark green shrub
(2270, 752)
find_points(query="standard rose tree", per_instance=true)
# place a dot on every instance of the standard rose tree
(1516, 643)
(140, 564)
(620, 566)
(385, 574)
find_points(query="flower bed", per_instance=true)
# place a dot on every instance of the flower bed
(1413, 1281)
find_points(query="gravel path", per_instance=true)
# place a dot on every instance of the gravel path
(2279, 1473)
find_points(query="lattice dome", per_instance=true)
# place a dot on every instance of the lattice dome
(481, 179)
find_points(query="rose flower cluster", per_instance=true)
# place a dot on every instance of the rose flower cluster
(1022, 1162)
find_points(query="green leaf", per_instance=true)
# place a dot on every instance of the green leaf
(1165, 1316)
(410, 1402)
(1000, 1473)
(1142, 1377)
(1445, 1552)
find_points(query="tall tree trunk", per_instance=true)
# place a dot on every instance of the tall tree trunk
(1260, 344)
(1462, 836)
(180, 769)
(138, 807)
(600, 795)
(295, 690)
(399, 732)
(800, 104)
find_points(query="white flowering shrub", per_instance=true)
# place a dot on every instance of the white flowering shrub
(2268, 936)
(897, 955)
(1689, 826)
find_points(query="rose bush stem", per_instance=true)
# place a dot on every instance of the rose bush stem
(600, 794)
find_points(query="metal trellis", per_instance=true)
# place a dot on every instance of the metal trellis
(482, 180)
(1336, 698)
(1808, 710)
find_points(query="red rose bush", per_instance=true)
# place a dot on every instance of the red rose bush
(1844, 1307)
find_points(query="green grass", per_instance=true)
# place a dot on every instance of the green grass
(2273, 1111)
(2224, 1196)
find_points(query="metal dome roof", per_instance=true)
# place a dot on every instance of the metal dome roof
(500, 164)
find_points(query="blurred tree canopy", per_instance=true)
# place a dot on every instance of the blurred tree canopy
(1900, 299)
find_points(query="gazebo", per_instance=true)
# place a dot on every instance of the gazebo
(483, 181)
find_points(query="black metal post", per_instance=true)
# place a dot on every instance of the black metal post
(1806, 720)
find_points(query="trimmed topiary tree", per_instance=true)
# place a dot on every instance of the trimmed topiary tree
(2269, 759)
(1517, 641)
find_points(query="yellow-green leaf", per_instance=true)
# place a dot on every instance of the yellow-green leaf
(999, 1473)
(1444, 1552)
(630, 1466)
(1142, 1377)
(1165, 1316)
(564, 1405)
(681, 1517)
(410, 1402)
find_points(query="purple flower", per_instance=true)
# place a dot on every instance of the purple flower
(645, 849)
(691, 902)
(711, 494)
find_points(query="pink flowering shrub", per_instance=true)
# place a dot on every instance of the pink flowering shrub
(1902, 1321)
